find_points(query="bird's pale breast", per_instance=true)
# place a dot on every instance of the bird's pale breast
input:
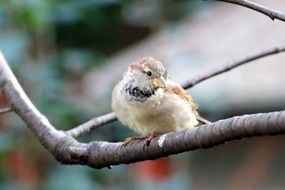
(160, 113)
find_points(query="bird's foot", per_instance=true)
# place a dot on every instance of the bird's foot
(130, 139)
(147, 139)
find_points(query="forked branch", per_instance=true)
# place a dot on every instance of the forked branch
(99, 154)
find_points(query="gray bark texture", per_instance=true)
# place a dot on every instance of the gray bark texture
(99, 154)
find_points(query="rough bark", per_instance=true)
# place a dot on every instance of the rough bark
(99, 154)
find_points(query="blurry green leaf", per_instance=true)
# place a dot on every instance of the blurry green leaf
(31, 13)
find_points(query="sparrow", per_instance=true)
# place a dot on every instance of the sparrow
(150, 103)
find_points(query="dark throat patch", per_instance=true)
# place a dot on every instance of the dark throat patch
(138, 93)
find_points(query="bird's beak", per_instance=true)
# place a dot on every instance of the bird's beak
(158, 82)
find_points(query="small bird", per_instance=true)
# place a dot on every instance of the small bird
(151, 103)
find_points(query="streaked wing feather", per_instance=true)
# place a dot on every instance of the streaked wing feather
(173, 87)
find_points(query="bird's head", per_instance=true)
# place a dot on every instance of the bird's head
(148, 72)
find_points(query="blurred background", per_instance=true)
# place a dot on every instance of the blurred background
(68, 55)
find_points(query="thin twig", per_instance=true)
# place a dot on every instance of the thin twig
(92, 124)
(110, 117)
(5, 110)
(229, 66)
(254, 6)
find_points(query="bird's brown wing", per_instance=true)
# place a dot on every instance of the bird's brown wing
(173, 87)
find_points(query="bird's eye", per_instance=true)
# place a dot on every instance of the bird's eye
(149, 73)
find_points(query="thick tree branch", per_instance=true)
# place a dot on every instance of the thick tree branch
(254, 6)
(110, 117)
(22, 106)
(100, 154)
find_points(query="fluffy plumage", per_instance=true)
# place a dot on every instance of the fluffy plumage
(148, 101)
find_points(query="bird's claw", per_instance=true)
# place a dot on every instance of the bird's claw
(147, 139)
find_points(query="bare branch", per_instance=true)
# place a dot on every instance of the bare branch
(254, 6)
(5, 110)
(92, 124)
(110, 117)
(25, 109)
(100, 154)
(229, 66)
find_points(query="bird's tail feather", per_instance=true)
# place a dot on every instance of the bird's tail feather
(203, 120)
